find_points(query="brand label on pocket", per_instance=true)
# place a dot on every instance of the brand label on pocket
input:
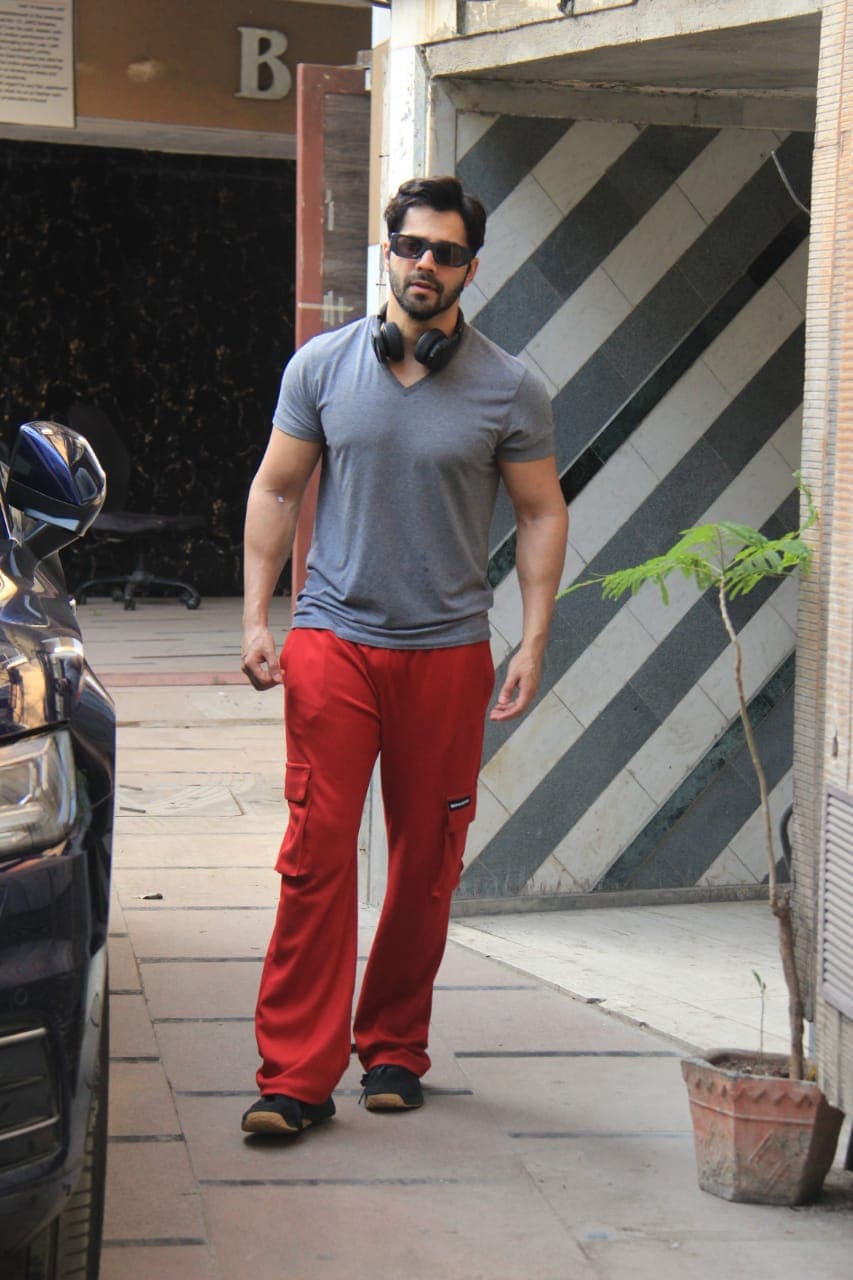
(462, 803)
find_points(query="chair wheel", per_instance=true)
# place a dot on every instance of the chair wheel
(192, 602)
(117, 594)
(129, 603)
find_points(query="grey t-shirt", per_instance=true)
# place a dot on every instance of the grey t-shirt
(409, 478)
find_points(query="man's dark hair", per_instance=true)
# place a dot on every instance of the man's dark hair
(444, 195)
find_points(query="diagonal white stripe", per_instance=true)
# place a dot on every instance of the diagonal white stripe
(644, 256)
(745, 856)
(607, 664)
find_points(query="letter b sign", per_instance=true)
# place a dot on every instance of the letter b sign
(262, 73)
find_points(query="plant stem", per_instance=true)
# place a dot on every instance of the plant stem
(780, 904)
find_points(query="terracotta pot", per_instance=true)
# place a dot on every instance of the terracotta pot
(763, 1139)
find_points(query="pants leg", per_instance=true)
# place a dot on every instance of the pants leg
(433, 705)
(305, 1001)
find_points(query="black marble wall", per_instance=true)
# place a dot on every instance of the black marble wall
(159, 287)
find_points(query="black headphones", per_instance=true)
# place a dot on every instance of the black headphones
(434, 348)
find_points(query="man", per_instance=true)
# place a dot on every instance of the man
(416, 417)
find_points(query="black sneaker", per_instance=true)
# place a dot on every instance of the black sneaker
(276, 1113)
(390, 1088)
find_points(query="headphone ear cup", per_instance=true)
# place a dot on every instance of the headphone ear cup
(435, 348)
(387, 341)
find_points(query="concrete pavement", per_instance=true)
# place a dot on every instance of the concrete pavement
(555, 1143)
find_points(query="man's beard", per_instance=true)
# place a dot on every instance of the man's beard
(427, 307)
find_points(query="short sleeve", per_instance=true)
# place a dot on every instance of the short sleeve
(529, 430)
(296, 413)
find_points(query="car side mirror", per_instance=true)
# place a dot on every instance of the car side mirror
(57, 482)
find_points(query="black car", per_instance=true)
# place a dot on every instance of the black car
(57, 755)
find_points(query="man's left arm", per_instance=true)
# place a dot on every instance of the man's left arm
(542, 527)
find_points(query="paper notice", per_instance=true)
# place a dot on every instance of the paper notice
(37, 62)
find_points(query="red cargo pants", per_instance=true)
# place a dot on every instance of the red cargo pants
(422, 712)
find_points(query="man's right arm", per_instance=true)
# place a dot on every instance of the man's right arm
(271, 515)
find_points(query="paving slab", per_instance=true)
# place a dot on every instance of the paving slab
(141, 1101)
(531, 1017)
(491, 1229)
(152, 1193)
(207, 932)
(165, 1262)
(785, 1258)
(580, 1095)
(223, 988)
(131, 1033)
(555, 1143)
(199, 887)
(124, 971)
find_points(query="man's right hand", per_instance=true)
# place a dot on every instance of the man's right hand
(260, 658)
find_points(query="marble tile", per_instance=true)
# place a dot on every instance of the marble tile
(793, 275)
(752, 337)
(604, 667)
(580, 158)
(727, 869)
(506, 613)
(500, 647)
(657, 618)
(473, 300)
(674, 749)
(470, 127)
(605, 828)
(609, 499)
(748, 845)
(784, 601)
(654, 245)
(519, 224)
(653, 164)
(551, 877)
(539, 741)
(580, 326)
(788, 440)
(504, 155)
(720, 171)
(765, 642)
(491, 816)
(550, 386)
(519, 310)
(574, 565)
(680, 419)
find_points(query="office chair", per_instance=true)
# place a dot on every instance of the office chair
(116, 524)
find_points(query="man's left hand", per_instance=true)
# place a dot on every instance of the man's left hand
(519, 687)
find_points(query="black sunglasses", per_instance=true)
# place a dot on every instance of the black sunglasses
(445, 252)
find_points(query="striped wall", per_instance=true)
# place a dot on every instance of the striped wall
(655, 278)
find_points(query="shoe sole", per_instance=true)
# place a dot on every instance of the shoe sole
(270, 1122)
(389, 1102)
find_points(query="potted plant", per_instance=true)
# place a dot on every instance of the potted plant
(763, 1130)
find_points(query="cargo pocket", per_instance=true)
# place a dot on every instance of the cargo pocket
(293, 856)
(460, 814)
